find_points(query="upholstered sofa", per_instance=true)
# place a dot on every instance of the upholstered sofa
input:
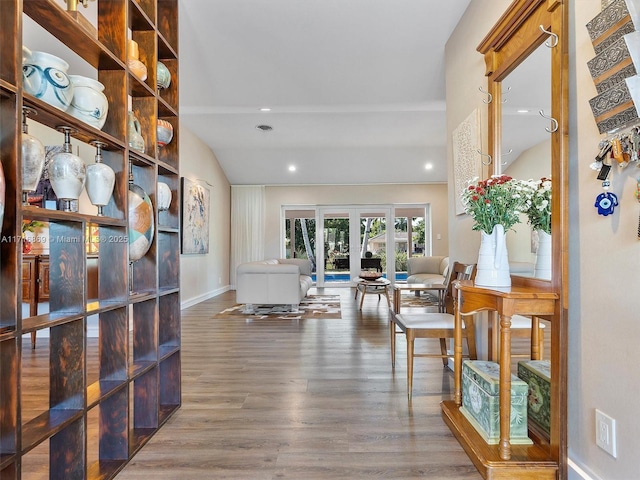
(283, 281)
(427, 270)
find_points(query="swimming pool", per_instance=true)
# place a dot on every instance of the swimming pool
(345, 277)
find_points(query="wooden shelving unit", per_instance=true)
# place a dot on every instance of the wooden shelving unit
(89, 425)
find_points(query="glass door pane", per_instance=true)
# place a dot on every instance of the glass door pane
(337, 247)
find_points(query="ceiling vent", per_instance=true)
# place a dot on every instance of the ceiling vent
(264, 128)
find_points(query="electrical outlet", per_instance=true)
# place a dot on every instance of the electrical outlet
(606, 433)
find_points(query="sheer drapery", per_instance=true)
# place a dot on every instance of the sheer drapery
(247, 226)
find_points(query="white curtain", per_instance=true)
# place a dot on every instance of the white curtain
(247, 226)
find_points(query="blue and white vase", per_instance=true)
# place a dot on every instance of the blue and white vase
(45, 77)
(163, 76)
(89, 104)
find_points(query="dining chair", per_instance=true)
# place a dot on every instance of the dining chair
(433, 325)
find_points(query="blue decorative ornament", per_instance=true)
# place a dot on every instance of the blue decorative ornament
(605, 203)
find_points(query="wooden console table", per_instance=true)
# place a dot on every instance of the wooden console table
(502, 460)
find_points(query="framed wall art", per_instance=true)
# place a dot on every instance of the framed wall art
(466, 163)
(195, 217)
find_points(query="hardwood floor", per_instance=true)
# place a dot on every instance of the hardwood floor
(308, 399)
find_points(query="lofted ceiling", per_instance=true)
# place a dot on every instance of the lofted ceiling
(356, 88)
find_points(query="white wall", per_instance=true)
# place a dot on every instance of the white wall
(604, 253)
(204, 276)
(434, 194)
(604, 314)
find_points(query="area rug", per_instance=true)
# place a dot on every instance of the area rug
(312, 306)
(409, 300)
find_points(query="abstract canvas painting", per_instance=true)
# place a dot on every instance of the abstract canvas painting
(195, 218)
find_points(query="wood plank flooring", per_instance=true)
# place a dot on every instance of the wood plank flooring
(309, 399)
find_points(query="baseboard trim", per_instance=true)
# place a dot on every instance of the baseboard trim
(205, 296)
(577, 472)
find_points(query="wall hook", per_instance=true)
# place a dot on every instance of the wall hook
(505, 93)
(489, 96)
(553, 41)
(505, 154)
(554, 122)
(490, 159)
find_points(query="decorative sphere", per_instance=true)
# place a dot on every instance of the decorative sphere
(141, 225)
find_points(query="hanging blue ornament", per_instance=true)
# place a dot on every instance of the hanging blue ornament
(605, 203)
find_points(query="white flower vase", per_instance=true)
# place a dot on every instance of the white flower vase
(45, 77)
(164, 197)
(493, 260)
(543, 257)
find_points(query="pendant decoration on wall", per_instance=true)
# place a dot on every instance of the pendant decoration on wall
(606, 201)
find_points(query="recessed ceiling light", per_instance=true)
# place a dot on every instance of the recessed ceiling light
(429, 166)
(522, 110)
(292, 168)
(265, 109)
(264, 128)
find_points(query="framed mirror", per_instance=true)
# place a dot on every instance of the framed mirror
(536, 32)
(526, 152)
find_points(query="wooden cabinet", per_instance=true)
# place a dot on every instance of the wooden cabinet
(111, 364)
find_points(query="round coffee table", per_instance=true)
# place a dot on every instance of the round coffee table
(379, 286)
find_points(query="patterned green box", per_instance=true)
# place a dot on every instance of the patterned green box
(481, 401)
(537, 374)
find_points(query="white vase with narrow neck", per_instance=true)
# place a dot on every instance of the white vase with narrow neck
(493, 260)
(543, 257)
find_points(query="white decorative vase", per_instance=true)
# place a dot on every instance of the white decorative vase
(33, 156)
(100, 180)
(141, 223)
(67, 172)
(164, 196)
(89, 104)
(543, 257)
(45, 77)
(136, 140)
(493, 260)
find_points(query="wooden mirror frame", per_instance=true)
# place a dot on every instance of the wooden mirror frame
(514, 37)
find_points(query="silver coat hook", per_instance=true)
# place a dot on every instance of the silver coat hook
(490, 159)
(505, 93)
(489, 96)
(554, 122)
(505, 154)
(553, 41)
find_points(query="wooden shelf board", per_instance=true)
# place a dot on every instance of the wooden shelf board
(7, 328)
(139, 88)
(162, 291)
(138, 437)
(166, 411)
(142, 296)
(48, 320)
(53, 18)
(140, 367)
(46, 425)
(165, 50)
(139, 19)
(7, 89)
(53, 118)
(99, 306)
(166, 169)
(165, 109)
(528, 462)
(165, 351)
(141, 159)
(102, 389)
(104, 469)
(6, 460)
(168, 229)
